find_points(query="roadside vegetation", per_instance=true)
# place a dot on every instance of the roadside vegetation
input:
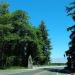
(19, 39)
(58, 64)
(70, 53)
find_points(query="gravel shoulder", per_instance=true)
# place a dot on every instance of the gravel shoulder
(14, 71)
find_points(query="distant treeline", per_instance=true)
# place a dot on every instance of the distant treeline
(58, 64)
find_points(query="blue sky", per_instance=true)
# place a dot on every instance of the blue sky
(56, 20)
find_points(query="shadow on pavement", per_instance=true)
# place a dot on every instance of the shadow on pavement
(57, 70)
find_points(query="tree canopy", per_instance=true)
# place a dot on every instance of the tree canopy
(19, 39)
(70, 53)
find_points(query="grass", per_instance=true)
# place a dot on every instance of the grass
(16, 67)
(13, 67)
(20, 67)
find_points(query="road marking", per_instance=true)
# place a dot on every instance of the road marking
(40, 73)
(57, 73)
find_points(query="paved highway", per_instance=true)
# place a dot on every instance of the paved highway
(45, 71)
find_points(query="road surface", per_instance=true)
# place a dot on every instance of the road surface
(45, 71)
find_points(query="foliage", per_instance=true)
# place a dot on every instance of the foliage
(19, 39)
(46, 45)
(70, 53)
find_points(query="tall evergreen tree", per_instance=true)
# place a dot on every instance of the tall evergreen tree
(46, 47)
(71, 52)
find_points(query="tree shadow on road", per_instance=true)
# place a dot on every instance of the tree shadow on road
(64, 71)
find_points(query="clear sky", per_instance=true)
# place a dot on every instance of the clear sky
(56, 20)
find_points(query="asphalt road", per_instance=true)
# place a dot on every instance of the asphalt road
(45, 71)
